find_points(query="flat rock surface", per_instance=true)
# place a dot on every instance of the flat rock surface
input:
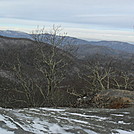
(66, 121)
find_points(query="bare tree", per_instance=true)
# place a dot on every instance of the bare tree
(51, 62)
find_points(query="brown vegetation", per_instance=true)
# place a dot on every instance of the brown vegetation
(114, 99)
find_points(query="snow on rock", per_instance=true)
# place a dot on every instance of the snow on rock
(65, 121)
(4, 131)
(123, 132)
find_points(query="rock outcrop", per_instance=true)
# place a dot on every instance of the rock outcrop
(114, 98)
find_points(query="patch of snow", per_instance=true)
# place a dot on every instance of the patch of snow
(126, 112)
(89, 131)
(17, 124)
(4, 131)
(2, 117)
(80, 121)
(122, 122)
(53, 109)
(39, 127)
(121, 115)
(35, 109)
(84, 97)
(99, 118)
(73, 120)
(77, 114)
(56, 129)
(119, 131)
(11, 125)
(112, 122)
(7, 122)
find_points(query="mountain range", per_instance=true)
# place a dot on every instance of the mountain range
(85, 48)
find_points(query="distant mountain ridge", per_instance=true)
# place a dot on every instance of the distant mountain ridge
(114, 45)
(14, 34)
(123, 46)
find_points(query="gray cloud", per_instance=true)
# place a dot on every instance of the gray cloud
(103, 13)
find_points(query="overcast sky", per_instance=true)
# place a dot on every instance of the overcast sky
(88, 19)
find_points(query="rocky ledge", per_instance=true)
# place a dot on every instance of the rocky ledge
(114, 99)
(111, 98)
